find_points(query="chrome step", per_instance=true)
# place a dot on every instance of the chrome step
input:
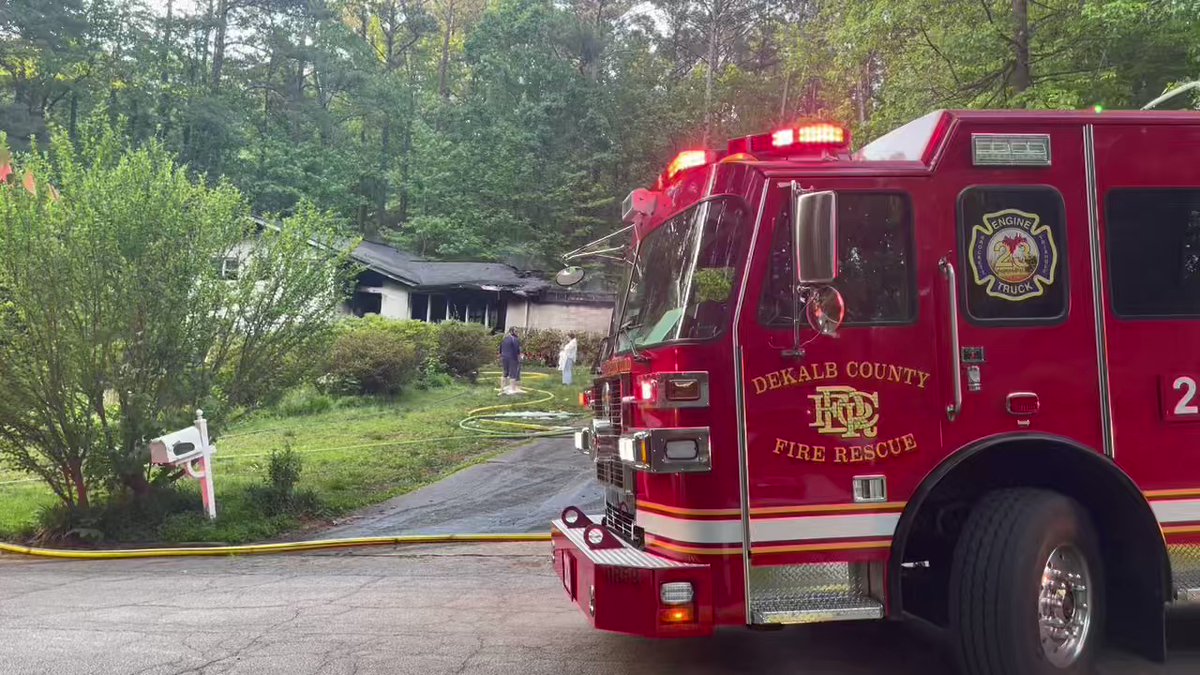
(815, 608)
(792, 594)
(1185, 570)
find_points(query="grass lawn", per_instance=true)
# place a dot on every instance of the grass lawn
(359, 453)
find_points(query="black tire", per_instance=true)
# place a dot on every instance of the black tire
(996, 578)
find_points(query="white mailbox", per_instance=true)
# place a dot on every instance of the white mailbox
(190, 450)
(174, 449)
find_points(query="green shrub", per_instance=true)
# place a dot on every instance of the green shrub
(278, 495)
(373, 359)
(304, 400)
(422, 336)
(463, 348)
(434, 375)
(120, 517)
(589, 347)
(542, 345)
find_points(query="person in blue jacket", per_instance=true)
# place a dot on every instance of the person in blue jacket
(510, 359)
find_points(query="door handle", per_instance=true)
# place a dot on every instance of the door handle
(948, 273)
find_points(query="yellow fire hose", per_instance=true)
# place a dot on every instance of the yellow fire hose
(259, 549)
(487, 420)
(491, 420)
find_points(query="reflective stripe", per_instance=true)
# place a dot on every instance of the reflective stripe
(1177, 510)
(807, 528)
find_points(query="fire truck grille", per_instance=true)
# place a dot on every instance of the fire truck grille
(607, 406)
(610, 473)
(621, 523)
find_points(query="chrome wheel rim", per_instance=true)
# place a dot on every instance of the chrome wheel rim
(1065, 606)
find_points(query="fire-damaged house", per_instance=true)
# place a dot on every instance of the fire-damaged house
(400, 285)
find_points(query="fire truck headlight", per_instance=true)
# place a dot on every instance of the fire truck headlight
(676, 593)
(625, 448)
(683, 449)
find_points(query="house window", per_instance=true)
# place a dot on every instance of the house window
(419, 306)
(365, 303)
(228, 268)
(437, 308)
(477, 313)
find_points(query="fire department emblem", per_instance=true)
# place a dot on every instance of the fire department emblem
(845, 411)
(1013, 255)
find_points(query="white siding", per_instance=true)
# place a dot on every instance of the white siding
(564, 317)
(395, 301)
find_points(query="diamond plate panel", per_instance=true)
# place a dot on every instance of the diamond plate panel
(812, 593)
(1185, 567)
(817, 608)
(626, 556)
(834, 577)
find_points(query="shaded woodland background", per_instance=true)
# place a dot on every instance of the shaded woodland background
(511, 129)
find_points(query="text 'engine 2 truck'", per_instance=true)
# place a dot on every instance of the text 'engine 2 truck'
(952, 377)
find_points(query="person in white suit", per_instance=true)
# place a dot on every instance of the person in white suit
(566, 358)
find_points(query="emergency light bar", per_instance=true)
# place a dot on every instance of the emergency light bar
(815, 137)
(688, 159)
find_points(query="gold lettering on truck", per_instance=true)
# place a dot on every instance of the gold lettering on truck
(845, 411)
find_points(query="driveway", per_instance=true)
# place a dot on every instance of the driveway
(429, 610)
(519, 491)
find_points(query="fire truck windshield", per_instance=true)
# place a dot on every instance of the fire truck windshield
(681, 285)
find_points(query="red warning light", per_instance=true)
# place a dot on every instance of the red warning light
(688, 159)
(815, 137)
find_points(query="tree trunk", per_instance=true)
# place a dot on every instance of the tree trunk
(444, 63)
(783, 102)
(81, 492)
(1022, 78)
(714, 17)
(73, 118)
(405, 152)
(164, 105)
(218, 60)
(208, 22)
(385, 149)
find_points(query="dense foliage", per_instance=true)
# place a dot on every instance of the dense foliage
(464, 348)
(370, 359)
(114, 321)
(512, 128)
(542, 345)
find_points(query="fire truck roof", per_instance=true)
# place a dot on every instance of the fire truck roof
(921, 139)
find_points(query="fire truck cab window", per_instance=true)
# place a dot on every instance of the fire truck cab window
(1154, 252)
(681, 286)
(1013, 262)
(875, 251)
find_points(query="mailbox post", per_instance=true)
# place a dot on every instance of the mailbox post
(190, 449)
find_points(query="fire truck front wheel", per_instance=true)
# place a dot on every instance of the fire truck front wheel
(1026, 586)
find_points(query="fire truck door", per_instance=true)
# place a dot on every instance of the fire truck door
(839, 431)
(1149, 207)
(1018, 343)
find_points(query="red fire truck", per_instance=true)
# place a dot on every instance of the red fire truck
(950, 378)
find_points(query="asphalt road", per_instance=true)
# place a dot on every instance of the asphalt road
(471, 609)
(520, 491)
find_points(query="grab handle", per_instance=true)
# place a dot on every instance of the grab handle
(951, 277)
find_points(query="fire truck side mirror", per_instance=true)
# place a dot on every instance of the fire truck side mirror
(569, 276)
(825, 309)
(814, 236)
